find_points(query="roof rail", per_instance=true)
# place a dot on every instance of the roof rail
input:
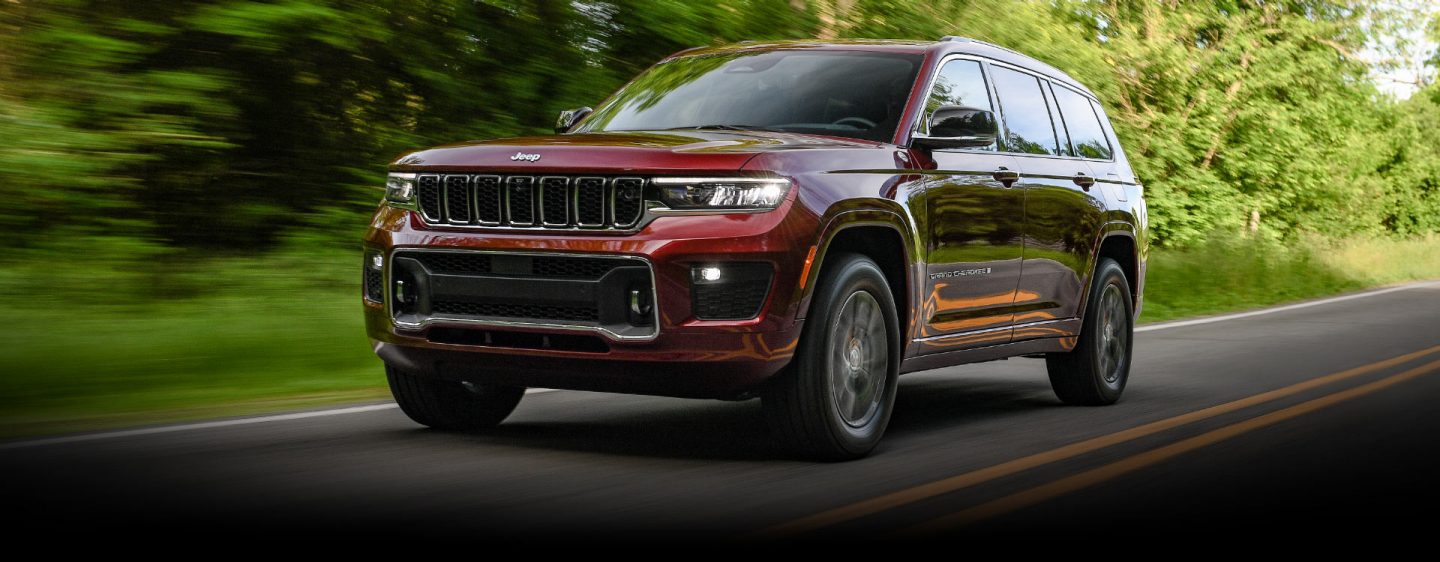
(959, 39)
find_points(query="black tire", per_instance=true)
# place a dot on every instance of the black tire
(1095, 372)
(443, 404)
(803, 404)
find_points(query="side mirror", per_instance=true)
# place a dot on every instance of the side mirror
(570, 117)
(953, 126)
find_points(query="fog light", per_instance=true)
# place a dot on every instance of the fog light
(729, 290)
(705, 274)
(373, 280)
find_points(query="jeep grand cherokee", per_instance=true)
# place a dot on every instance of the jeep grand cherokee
(799, 222)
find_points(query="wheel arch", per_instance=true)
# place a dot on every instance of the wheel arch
(875, 233)
(1116, 241)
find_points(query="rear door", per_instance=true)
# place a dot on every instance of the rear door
(975, 221)
(1063, 204)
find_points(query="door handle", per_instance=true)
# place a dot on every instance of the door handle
(1084, 181)
(1006, 176)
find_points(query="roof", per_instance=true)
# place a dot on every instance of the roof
(945, 46)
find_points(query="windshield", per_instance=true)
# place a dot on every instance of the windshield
(849, 94)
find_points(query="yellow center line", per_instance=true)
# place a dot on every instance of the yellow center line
(958, 482)
(1111, 471)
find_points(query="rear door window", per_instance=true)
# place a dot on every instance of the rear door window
(1083, 123)
(1027, 117)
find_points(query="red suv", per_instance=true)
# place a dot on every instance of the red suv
(799, 222)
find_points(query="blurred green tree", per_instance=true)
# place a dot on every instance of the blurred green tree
(228, 124)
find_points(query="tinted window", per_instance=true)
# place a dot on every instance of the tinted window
(1083, 122)
(960, 82)
(1027, 119)
(850, 94)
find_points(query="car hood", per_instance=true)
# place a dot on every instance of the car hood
(618, 152)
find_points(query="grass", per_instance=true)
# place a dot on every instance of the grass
(106, 342)
(233, 337)
(1235, 274)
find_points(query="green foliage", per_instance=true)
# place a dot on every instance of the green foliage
(213, 124)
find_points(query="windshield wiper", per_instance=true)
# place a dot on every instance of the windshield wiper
(724, 127)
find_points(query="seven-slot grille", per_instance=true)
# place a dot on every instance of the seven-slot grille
(591, 202)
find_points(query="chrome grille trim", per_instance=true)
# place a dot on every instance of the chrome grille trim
(630, 218)
(489, 199)
(599, 208)
(456, 194)
(521, 213)
(431, 201)
(555, 202)
(561, 184)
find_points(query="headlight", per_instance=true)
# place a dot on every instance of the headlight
(400, 191)
(722, 193)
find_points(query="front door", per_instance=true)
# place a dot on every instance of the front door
(977, 224)
(975, 215)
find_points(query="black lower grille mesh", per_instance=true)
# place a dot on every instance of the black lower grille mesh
(474, 263)
(457, 263)
(738, 295)
(374, 284)
(497, 310)
(586, 268)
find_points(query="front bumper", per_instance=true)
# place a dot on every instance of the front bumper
(683, 356)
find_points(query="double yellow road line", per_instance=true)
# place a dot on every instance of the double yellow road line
(1095, 476)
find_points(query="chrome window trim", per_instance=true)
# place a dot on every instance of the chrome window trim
(930, 87)
(1040, 81)
(441, 320)
(1100, 117)
(994, 101)
(1047, 79)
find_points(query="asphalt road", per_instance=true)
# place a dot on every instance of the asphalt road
(1323, 416)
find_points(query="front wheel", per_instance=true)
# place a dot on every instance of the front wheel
(443, 404)
(1095, 372)
(834, 402)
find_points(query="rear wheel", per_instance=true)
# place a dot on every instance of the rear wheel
(443, 404)
(1095, 372)
(834, 402)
